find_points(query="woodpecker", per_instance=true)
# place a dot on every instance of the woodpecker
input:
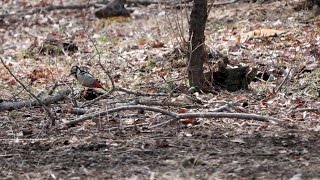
(85, 78)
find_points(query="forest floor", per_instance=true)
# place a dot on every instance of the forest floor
(142, 54)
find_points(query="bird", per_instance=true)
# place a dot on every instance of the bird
(85, 78)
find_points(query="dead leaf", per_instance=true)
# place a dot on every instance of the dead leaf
(238, 140)
(11, 81)
(191, 121)
(40, 73)
(73, 140)
(156, 44)
(261, 33)
(162, 73)
(142, 42)
(182, 110)
(183, 98)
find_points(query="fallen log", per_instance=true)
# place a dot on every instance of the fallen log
(32, 102)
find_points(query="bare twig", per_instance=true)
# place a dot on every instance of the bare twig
(53, 88)
(177, 116)
(210, 7)
(165, 103)
(306, 110)
(74, 110)
(47, 110)
(178, 35)
(139, 93)
(106, 72)
(122, 108)
(163, 123)
(283, 82)
(128, 91)
(128, 126)
(97, 99)
(219, 109)
(222, 108)
(135, 101)
(100, 64)
(114, 88)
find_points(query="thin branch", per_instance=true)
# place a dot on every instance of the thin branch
(306, 110)
(128, 91)
(222, 108)
(136, 101)
(219, 109)
(176, 115)
(122, 108)
(106, 72)
(128, 126)
(97, 99)
(283, 82)
(47, 110)
(53, 88)
(165, 103)
(139, 93)
(229, 115)
(100, 64)
(163, 123)
(74, 110)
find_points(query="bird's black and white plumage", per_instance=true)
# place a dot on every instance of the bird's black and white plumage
(85, 78)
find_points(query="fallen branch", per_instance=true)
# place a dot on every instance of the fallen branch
(222, 108)
(165, 103)
(46, 109)
(219, 109)
(113, 86)
(128, 91)
(177, 116)
(74, 110)
(128, 126)
(134, 101)
(306, 110)
(139, 93)
(29, 103)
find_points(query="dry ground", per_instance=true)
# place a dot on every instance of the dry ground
(103, 148)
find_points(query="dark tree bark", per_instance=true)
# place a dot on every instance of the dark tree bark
(197, 52)
(311, 3)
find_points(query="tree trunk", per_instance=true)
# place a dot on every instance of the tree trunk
(311, 3)
(197, 52)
